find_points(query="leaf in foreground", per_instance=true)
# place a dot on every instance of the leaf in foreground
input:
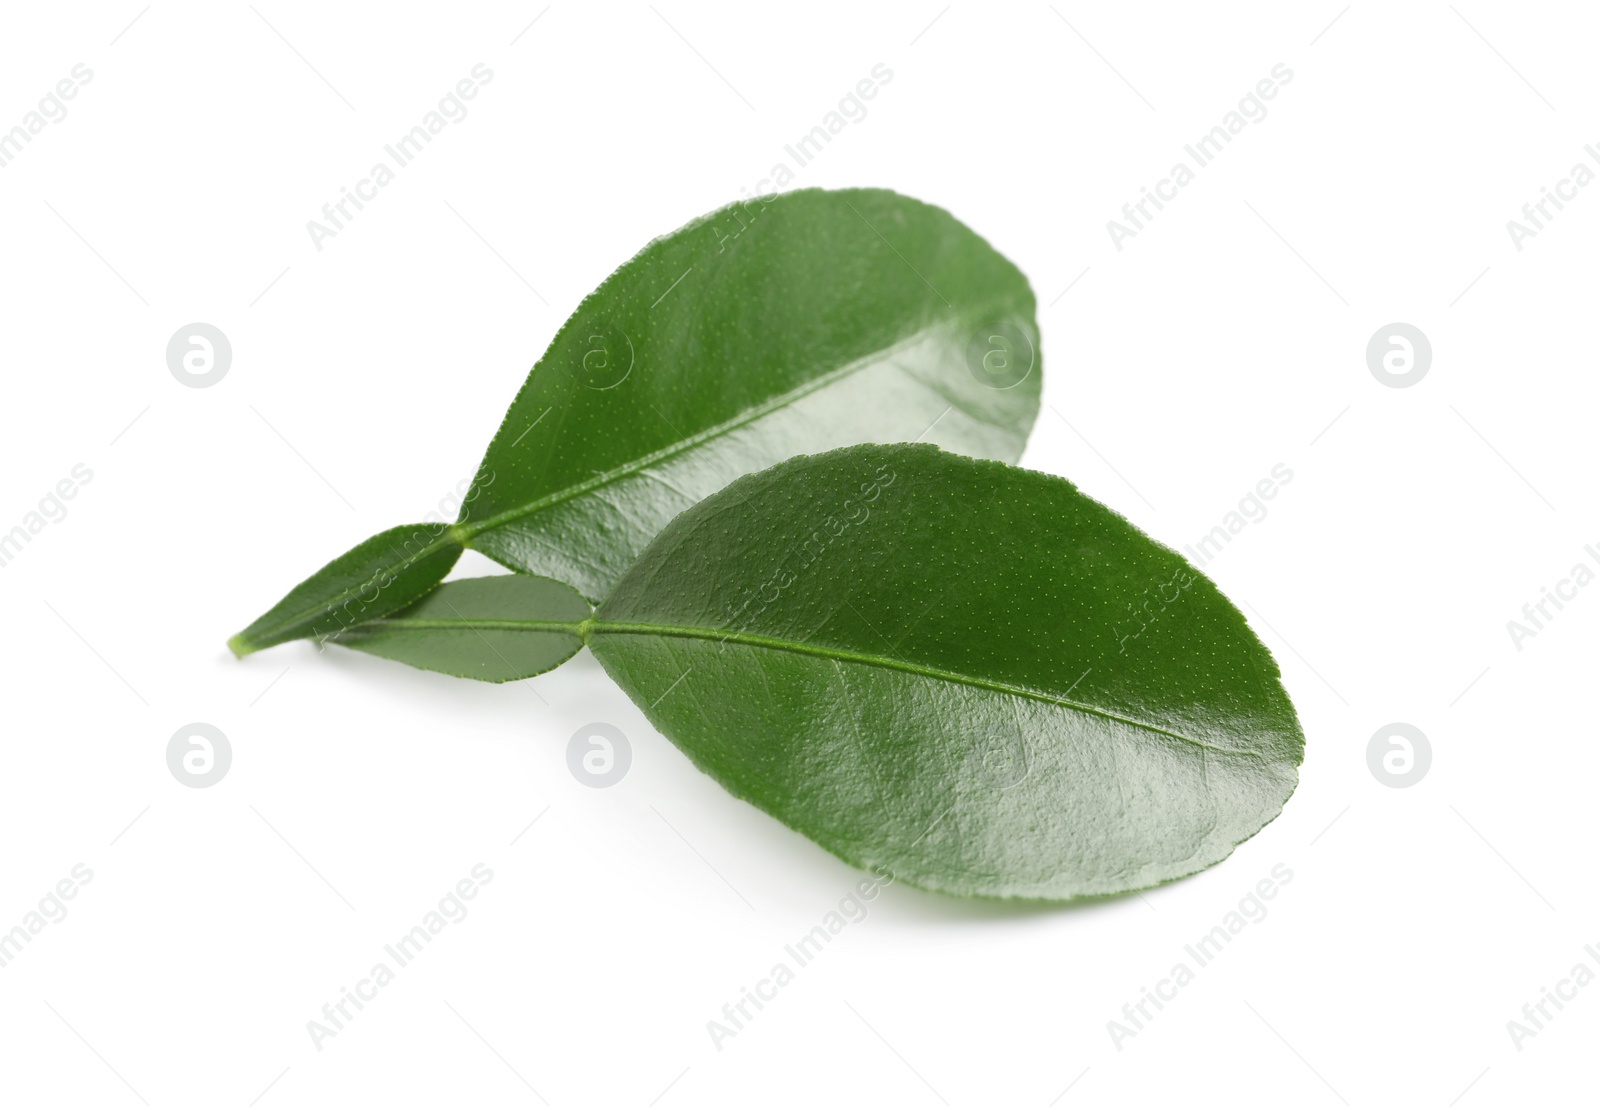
(776, 326)
(498, 628)
(967, 673)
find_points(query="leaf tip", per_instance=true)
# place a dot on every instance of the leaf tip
(241, 647)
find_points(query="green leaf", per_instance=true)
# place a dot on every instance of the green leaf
(498, 628)
(775, 326)
(966, 673)
(376, 577)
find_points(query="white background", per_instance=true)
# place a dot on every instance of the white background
(1226, 337)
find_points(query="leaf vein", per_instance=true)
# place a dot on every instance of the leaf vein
(606, 627)
(643, 463)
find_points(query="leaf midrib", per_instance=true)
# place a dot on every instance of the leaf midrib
(333, 602)
(465, 531)
(588, 627)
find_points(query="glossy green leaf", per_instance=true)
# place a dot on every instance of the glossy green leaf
(378, 576)
(967, 673)
(498, 628)
(773, 327)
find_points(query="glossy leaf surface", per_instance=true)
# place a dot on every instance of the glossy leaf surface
(774, 327)
(497, 628)
(967, 673)
(380, 575)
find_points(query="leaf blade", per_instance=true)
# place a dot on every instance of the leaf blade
(774, 327)
(496, 628)
(913, 683)
(382, 574)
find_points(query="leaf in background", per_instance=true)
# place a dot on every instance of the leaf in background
(377, 576)
(770, 328)
(970, 674)
(776, 326)
(498, 628)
